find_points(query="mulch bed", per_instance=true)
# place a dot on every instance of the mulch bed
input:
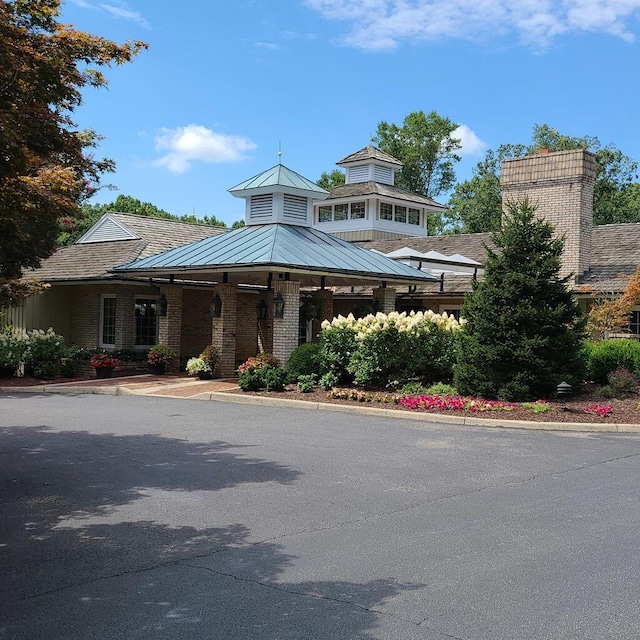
(625, 411)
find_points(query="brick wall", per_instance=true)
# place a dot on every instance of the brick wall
(196, 321)
(170, 325)
(247, 330)
(560, 184)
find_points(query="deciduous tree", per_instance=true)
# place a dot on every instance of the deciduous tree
(425, 144)
(47, 166)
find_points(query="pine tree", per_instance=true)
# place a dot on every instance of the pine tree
(524, 329)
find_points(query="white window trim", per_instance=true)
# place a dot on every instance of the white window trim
(103, 297)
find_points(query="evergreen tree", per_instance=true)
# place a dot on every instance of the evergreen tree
(524, 329)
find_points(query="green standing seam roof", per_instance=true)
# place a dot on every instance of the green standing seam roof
(278, 245)
(278, 176)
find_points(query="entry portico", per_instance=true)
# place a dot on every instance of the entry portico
(275, 255)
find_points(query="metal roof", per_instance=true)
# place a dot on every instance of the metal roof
(278, 176)
(248, 253)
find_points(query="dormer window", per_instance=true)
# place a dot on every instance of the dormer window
(414, 216)
(342, 212)
(357, 210)
(386, 211)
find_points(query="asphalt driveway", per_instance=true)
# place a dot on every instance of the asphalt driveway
(138, 517)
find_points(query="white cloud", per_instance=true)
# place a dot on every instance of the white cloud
(193, 143)
(381, 25)
(471, 144)
(117, 9)
(271, 46)
(122, 11)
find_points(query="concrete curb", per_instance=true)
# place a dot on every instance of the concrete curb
(219, 396)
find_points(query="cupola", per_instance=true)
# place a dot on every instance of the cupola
(279, 195)
(370, 165)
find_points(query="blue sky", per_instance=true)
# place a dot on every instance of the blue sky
(224, 83)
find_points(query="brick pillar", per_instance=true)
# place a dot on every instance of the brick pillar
(170, 326)
(386, 299)
(223, 330)
(125, 318)
(326, 295)
(285, 330)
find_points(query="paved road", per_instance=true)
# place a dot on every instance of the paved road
(137, 517)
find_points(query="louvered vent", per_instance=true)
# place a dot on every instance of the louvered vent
(295, 209)
(261, 208)
(108, 230)
(383, 175)
(358, 174)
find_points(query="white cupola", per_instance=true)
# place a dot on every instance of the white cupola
(279, 195)
(370, 165)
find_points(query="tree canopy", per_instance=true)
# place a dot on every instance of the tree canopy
(476, 204)
(47, 167)
(330, 179)
(424, 143)
(524, 329)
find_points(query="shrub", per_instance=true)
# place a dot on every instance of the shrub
(274, 378)
(328, 381)
(263, 359)
(524, 329)
(382, 349)
(303, 361)
(250, 379)
(413, 389)
(307, 383)
(12, 348)
(337, 344)
(441, 389)
(44, 352)
(622, 383)
(608, 355)
(267, 377)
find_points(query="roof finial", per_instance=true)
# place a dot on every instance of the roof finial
(279, 153)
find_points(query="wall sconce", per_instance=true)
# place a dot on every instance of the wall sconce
(216, 307)
(278, 306)
(162, 305)
(261, 310)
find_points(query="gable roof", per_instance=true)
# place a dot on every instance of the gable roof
(371, 188)
(95, 259)
(370, 153)
(251, 252)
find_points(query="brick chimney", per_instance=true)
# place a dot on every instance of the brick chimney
(560, 184)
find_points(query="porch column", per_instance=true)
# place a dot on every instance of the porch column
(326, 296)
(223, 329)
(386, 299)
(170, 326)
(285, 330)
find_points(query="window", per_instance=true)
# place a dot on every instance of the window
(146, 322)
(386, 211)
(108, 321)
(401, 214)
(324, 214)
(414, 216)
(357, 210)
(341, 212)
